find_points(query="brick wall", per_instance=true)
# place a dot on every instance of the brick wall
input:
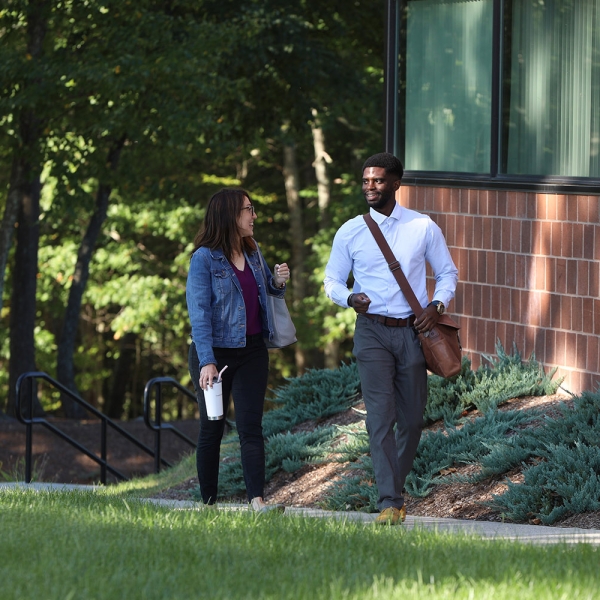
(529, 273)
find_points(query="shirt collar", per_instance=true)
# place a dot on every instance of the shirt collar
(379, 218)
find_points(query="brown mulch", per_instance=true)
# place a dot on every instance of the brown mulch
(303, 488)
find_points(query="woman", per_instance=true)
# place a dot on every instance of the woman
(227, 302)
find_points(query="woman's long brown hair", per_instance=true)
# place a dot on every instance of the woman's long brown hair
(220, 228)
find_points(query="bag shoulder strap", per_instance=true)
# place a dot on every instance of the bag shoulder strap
(394, 265)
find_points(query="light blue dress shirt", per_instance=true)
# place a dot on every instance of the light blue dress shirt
(414, 239)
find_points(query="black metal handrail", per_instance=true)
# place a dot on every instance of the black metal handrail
(157, 425)
(105, 421)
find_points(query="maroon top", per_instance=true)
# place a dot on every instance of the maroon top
(250, 293)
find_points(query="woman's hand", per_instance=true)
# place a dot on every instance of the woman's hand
(282, 274)
(207, 374)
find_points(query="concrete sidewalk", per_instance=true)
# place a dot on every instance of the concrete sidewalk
(535, 534)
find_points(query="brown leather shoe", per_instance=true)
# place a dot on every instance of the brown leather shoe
(391, 516)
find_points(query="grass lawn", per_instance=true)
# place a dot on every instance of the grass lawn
(96, 545)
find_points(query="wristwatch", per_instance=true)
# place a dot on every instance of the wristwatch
(439, 306)
(349, 301)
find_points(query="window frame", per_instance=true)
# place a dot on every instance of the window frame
(395, 118)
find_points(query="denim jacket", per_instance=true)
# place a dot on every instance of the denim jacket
(216, 304)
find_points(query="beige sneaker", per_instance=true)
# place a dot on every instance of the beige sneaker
(391, 516)
(258, 506)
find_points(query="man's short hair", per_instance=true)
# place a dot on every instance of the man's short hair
(387, 161)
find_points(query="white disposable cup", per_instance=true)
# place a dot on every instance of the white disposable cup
(213, 397)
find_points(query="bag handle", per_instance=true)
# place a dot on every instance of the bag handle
(394, 265)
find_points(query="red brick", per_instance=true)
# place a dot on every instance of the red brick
(458, 305)
(542, 210)
(501, 332)
(588, 241)
(572, 208)
(577, 240)
(511, 204)
(592, 353)
(474, 202)
(588, 313)
(570, 349)
(502, 205)
(464, 202)
(490, 261)
(486, 223)
(556, 239)
(583, 212)
(545, 310)
(581, 351)
(594, 211)
(576, 314)
(550, 274)
(476, 301)
(540, 344)
(469, 222)
(505, 304)
(506, 230)
(520, 271)
(455, 200)
(536, 237)
(560, 347)
(515, 306)
(534, 312)
(486, 302)
(546, 238)
(594, 279)
(571, 277)
(443, 202)
(511, 278)
(478, 232)
(531, 205)
(596, 326)
(490, 336)
(566, 313)
(561, 276)
(500, 268)
(550, 343)
(540, 273)
(520, 338)
(460, 231)
(561, 208)
(555, 310)
(496, 305)
(497, 234)
(583, 287)
(566, 246)
(526, 237)
(481, 266)
(552, 212)
(515, 235)
(521, 208)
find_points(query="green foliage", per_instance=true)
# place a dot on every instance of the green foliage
(317, 394)
(505, 377)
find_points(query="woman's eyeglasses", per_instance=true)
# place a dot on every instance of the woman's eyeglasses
(250, 208)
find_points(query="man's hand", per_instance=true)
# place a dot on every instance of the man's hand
(360, 303)
(427, 320)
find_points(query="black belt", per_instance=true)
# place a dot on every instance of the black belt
(391, 321)
(254, 337)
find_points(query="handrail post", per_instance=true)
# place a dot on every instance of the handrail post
(103, 452)
(157, 439)
(29, 437)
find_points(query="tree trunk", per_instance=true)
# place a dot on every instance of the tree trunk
(9, 220)
(24, 197)
(115, 401)
(65, 368)
(23, 298)
(292, 191)
(320, 166)
(332, 347)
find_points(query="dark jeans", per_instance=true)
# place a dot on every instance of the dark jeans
(246, 378)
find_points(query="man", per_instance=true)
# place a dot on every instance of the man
(388, 354)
